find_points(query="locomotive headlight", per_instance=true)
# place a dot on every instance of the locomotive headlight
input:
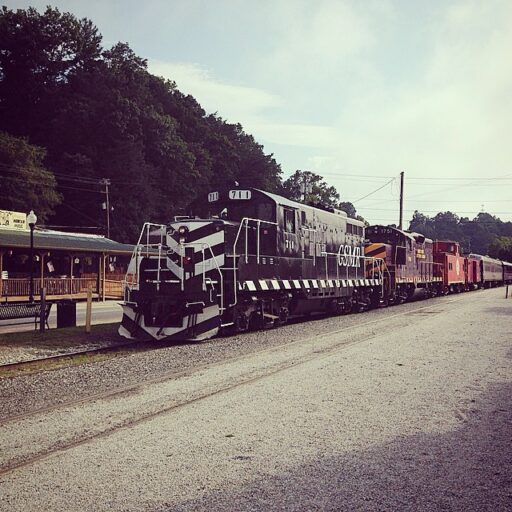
(182, 231)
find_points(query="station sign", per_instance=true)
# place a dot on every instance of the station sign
(13, 220)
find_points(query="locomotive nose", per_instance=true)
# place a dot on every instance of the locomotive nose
(377, 250)
(375, 255)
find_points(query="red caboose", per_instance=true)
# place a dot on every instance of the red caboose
(473, 273)
(450, 265)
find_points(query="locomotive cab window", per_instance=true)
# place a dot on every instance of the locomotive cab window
(265, 212)
(289, 220)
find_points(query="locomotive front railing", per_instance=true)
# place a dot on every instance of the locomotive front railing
(132, 276)
(155, 248)
(245, 224)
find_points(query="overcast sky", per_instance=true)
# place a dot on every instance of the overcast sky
(356, 91)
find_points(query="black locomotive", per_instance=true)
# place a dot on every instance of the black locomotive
(247, 259)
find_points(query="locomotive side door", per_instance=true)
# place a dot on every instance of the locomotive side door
(289, 229)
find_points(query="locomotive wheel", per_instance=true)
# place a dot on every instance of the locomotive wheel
(375, 300)
(335, 308)
(241, 323)
(283, 317)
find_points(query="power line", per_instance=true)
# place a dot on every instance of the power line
(78, 211)
(70, 177)
(423, 211)
(425, 178)
(376, 190)
(39, 183)
(461, 186)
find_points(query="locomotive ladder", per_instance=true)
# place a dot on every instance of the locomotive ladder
(145, 249)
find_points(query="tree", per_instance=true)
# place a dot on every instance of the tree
(39, 53)
(501, 247)
(423, 224)
(26, 183)
(310, 188)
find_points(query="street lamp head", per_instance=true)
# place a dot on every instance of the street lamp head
(31, 218)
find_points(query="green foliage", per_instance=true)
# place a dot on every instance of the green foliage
(501, 247)
(26, 183)
(100, 114)
(477, 235)
(317, 190)
(39, 53)
(310, 188)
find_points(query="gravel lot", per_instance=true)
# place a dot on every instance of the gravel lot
(366, 412)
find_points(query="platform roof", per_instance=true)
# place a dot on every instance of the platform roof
(62, 241)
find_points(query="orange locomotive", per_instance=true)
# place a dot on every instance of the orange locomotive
(407, 260)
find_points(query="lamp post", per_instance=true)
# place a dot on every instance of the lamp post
(31, 219)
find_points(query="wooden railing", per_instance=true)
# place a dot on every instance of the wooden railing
(113, 288)
(53, 285)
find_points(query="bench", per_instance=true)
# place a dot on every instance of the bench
(20, 310)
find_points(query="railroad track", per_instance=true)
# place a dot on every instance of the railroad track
(57, 357)
(243, 380)
(132, 346)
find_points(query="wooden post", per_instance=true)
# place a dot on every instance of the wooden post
(88, 311)
(42, 311)
(41, 255)
(98, 277)
(71, 258)
(1, 268)
(103, 277)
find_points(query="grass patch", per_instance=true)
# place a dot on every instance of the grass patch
(62, 338)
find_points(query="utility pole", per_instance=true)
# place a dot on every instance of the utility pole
(401, 200)
(106, 182)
